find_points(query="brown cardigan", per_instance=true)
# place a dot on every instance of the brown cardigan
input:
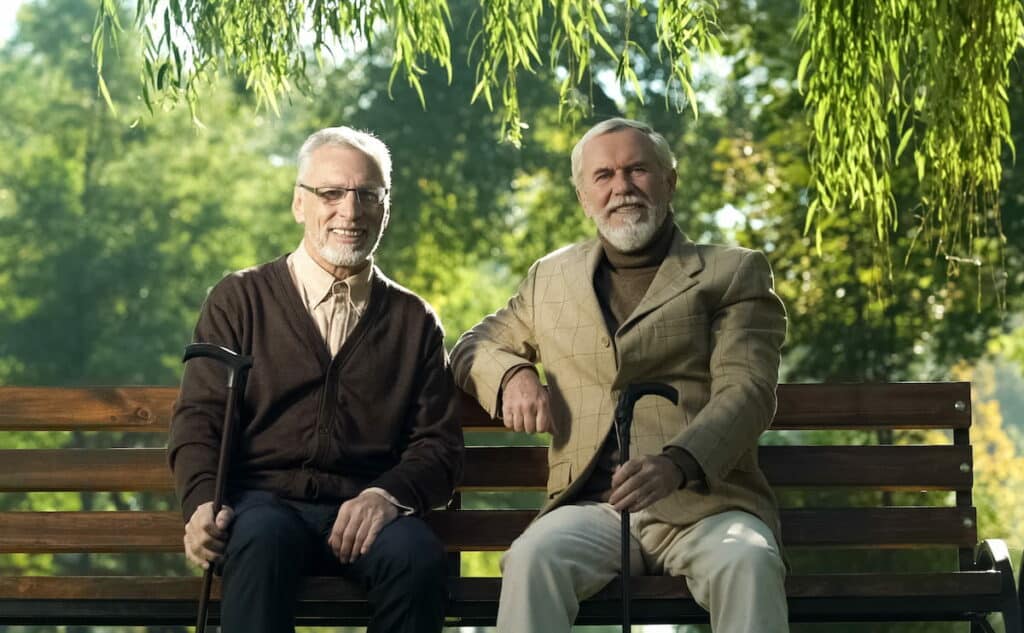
(381, 413)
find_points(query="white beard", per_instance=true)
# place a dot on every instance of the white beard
(349, 256)
(634, 234)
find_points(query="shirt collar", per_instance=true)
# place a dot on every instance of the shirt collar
(318, 283)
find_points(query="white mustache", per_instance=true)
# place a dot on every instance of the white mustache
(626, 201)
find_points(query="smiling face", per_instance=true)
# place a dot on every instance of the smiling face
(624, 189)
(341, 236)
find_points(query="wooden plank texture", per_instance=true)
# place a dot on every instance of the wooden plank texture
(480, 589)
(483, 530)
(801, 406)
(515, 468)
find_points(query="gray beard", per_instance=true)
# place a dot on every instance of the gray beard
(633, 236)
(348, 256)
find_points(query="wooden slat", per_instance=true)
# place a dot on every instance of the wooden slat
(894, 405)
(883, 467)
(514, 468)
(87, 408)
(482, 530)
(801, 406)
(86, 470)
(334, 589)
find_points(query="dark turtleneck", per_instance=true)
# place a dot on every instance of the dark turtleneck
(622, 279)
(620, 282)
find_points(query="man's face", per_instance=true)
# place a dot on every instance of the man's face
(624, 189)
(345, 233)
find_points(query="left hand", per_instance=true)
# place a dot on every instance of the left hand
(642, 481)
(359, 522)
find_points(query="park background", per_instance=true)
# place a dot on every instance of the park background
(115, 224)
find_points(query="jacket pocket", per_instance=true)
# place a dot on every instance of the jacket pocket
(559, 477)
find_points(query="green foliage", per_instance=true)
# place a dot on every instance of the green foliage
(186, 41)
(884, 77)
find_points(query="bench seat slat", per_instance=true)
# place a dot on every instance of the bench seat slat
(514, 468)
(483, 530)
(800, 406)
(475, 589)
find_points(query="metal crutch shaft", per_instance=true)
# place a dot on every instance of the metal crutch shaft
(623, 421)
(237, 365)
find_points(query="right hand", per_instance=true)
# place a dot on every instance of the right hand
(205, 539)
(525, 405)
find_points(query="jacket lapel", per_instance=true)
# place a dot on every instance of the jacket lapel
(675, 276)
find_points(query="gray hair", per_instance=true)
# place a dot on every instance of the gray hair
(662, 150)
(343, 136)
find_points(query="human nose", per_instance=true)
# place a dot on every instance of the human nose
(349, 205)
(622, 182)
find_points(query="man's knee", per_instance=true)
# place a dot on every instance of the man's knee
(748, 551)
(409, 552)
(266, 533)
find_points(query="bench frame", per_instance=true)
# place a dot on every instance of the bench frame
(983, 584)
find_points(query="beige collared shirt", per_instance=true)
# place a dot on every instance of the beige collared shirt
(336, 306)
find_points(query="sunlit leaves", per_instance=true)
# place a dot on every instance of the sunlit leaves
(883, 78)
(269, 43)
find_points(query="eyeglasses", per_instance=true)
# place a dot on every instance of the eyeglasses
(365, 196)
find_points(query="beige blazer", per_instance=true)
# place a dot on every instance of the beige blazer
(710, 325)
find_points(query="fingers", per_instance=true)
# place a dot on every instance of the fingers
(359, 522)
(638, 483)
(525, 404)
(205, 538)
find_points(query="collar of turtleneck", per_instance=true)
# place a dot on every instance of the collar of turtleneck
(650, 255)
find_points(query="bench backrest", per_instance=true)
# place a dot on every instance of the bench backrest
(860, 488)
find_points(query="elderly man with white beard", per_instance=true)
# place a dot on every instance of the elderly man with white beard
(348, 426)
(640, 303)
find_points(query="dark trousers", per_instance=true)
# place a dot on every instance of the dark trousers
(274, 542)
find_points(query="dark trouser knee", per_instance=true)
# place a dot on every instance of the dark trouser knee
(266, 552)
(404, 573)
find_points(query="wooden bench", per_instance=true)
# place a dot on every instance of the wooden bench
(874, 532)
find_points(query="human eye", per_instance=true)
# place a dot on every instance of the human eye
(602, 175)
(370, 196)
(332, 195)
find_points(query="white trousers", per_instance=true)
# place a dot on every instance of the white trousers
(730, 560)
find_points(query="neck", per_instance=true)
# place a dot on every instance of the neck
(651, 254)
(338, 272)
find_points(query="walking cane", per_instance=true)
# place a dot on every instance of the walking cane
(237, 366)
(624, 420)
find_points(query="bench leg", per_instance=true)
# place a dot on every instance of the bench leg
(993, 554)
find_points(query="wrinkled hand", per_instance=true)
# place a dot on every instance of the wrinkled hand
(642, 481)
(524, 403)
(205, 539)
(359, 522)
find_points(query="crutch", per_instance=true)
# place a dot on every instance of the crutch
(237, 366)
(623, 420)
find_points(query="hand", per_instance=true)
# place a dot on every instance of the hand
(205, 538)
(524, 403)
(643, 480)
(359, 522)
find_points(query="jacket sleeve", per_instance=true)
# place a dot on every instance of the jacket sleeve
(198, 417)
(502, 341)
(431, 465)
(747, 332)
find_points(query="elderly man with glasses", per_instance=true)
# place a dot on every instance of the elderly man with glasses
(348, 431)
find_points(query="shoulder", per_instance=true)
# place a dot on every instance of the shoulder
(403, 301)
(722, 257)
(243, 285)
(567, 255)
